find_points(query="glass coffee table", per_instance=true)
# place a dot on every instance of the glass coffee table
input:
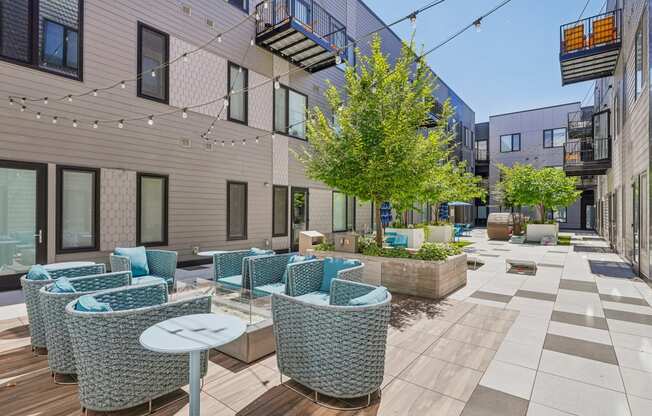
(253, 308)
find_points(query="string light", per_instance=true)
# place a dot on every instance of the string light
(153, 73)
(338, 59)
(222, 143)
(184, 113)
(95, 124)
(55, 119)
(265, 5)
(121, 124)
(226, 102)
(219, 38)
(232, 142)
(69, 98)
(185, 57)
(22, 100)
(38, 116)
(94, 93)
(478, 25)
(123, 85)
(74, 123)
(45, 100)
(22, 109)
(251, 42)
(277, 83)
(413, 20)
(273, 136)
(150, 121)
(257, 138)
(244, 142)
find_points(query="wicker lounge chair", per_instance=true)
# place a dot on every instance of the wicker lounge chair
(31, 292)
(114, 371)
(266, 273)
(231, 268)
(53, 305)
(161, 263)
(305, 280)
(334, 349)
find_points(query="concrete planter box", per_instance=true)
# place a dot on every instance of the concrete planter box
(416, 236)
(428, 279)
(440, 233)
(535, 232)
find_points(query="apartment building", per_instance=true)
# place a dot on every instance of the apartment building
(536, 137)
(80, 176)
(612, 49)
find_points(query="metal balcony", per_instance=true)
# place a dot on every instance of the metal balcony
(589, 48)
(587, 151)
(301, 32)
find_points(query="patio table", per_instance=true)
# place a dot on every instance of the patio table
(192, 334)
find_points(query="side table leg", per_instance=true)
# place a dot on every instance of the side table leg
(195, 372)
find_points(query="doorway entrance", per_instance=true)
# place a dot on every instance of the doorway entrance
(299, 217)
(23, 219)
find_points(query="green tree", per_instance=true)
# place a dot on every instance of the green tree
(374, 148)
(450, 181)
(545, 188)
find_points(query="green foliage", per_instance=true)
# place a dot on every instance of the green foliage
(325, 246)
(436, 251)
(376, 149)
(546, 188)
(461, 243)
(451, 181)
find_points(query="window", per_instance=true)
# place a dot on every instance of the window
(559, 215)
(236, 210)
(290, 112)
(349, 58)
(343, 212)
(481, 151)
(554, 137)
(152, 54)
(510, 143)
(238, 80)
(639, 62)
(78, 217)
(43, 34)
(240, 4)
(280, 211)
(467, 137)
(152, 226)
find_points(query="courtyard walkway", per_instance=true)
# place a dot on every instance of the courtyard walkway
(573, 339)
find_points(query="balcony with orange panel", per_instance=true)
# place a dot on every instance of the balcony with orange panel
(589, 48)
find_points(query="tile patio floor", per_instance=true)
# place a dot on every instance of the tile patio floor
(574, 339)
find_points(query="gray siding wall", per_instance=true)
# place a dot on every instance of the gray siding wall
(530, 124)
(197, 175)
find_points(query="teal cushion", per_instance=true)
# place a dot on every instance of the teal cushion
(143, 280)
(38, 272)
(137, 257)
(234, 281)
(269, 289)
(259, 251)
(316, 298)
(88, 303)
(62, 285)
(331, 267)
(295, 259)
(377, 295)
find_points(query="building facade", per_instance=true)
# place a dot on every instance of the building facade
(622, 97)
(79, 175)
(536, 137)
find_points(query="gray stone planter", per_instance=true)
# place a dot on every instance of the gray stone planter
(428, 279)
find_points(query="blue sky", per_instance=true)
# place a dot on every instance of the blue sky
(511, 64)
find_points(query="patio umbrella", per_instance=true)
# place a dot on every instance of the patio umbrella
(385, 214)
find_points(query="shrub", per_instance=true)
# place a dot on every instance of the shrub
(436, 251)
(325, 246)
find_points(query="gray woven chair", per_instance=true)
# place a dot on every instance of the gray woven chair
(305, 279)
(231, 268)
(161, 264)
(114, 371)
(53, 305)
(31, 293)
(266, 273)
(333, 349)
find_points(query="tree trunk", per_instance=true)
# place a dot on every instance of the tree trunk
(542, 211)
(379, 224)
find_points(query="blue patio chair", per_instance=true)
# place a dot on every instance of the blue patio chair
(53, 304)
(311, 280)
(114, 371)
(31, 293)
(162, 264)
(335, 348)
(268, 274)
(231, 268)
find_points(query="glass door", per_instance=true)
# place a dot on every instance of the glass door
(299, 215)
(22, 220)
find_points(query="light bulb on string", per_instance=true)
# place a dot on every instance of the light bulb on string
(153, 73)
(273, 136)
(22, 100)
(185, 57)
(45, 100)
(22, 109)
(244, 142)
(277, 83)
(265, 5)
(226, 102)
(413, 20)
(251, 42)
(150, 121)
(232, 142)
(257, 139)
(184, 113)
(338, 59)
(74, 123)
(478, 25)
(55, 119)
(95, 124)
(257, 16)
(11, 101)
(219, 38)
(38, 116)
(69, 98)
(123, 85)
(222, 143)
(94, 93)
(121, 124)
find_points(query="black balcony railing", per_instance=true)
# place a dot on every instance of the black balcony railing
(312, 17)
(481, 155)
(590, 156)
(589, 48)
